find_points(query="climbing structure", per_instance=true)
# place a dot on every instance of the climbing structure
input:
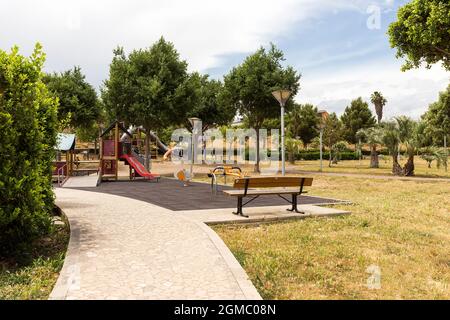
(114, 149)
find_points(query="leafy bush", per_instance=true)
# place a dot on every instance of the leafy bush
(315, 155)
(27, 135)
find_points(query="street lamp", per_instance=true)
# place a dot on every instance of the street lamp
(323, 117)
(193, 121)
(282, 96)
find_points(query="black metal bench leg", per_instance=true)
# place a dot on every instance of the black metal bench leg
(294, 205)
(239, 208)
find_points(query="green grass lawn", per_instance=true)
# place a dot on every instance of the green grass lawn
(32, 274)
(363, 167)
(400, 226)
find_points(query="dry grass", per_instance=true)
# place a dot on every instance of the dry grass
(354, 166)
(400, 226)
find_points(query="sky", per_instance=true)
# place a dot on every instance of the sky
(340, 47)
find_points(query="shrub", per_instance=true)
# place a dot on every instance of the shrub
(27, 135)
(315, 155)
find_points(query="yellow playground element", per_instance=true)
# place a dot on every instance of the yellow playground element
(225, 171)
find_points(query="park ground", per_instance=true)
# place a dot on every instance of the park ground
(401, 226)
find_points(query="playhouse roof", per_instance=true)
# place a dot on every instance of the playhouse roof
(112, 126)
(65, 141)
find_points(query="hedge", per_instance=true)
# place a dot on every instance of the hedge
(28, 135)
(315, 155)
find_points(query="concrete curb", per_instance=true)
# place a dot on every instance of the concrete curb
(69, 275)
(241, 277)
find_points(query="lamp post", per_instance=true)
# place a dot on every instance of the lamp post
(323, 117)
(193, 121)
(282, 96)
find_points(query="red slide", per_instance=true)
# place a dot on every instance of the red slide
(139, 169)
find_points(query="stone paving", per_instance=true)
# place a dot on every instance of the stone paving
(122, 248)
(87, 181)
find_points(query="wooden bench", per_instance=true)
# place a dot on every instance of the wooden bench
(254, 187)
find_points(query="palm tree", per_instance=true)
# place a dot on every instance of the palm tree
(336, 151)
(410, 139)
(430, 154)
(372, 136)
(292, 148)
(391, 139)
(379, 102)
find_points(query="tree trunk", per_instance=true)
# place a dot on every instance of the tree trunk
(330, 158)
(256, 170)
(408, 169)
(147, 149)
(396, 168)
(291, 157)
(374, 163)
(95, 147)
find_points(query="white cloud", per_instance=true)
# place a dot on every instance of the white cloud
(85, 32)
(407, 93)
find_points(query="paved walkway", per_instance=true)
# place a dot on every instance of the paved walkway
(122, 248)
(87, 181)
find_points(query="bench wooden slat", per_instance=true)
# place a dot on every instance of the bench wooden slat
(272, 182)
(252, 192)
(251, 186)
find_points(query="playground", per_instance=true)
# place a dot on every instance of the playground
(224, 168)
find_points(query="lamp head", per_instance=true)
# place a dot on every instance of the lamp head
(282, 96)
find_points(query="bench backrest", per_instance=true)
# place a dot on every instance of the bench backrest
(272, 182)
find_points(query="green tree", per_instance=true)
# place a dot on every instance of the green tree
(332, 133)
(379, 102)
(437, 118)
(248, 88)
(430, 154)
(209, 108)
(336, 151)
(403, 131)
(408, 135)
(356, 116)
(391, 139)
(292, 148)
(77, 98)
(303, 122)
(372, 136)
(150, 88)
(28, 118)
(421, 33)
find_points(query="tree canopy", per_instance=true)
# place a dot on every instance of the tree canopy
(150, 88)
(379, 102)
(209, 108)
(332, 130)
(303, 122)
(356, 116)
(421, 33)
(78, 100)
(248, 87)
(437, 117)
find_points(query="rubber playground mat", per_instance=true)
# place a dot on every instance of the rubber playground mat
(172, 195)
